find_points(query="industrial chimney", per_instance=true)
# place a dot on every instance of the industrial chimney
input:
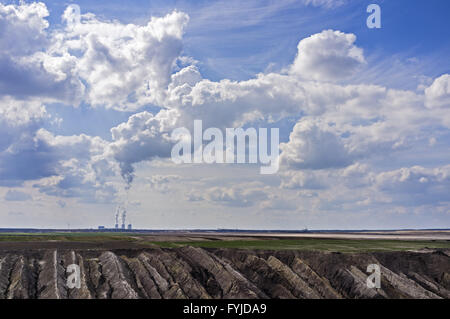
(124, 217)
(116, 226)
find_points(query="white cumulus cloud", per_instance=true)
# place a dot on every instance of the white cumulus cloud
(327, 56)
(438, 94)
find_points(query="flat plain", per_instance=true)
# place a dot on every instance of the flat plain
(335, 242)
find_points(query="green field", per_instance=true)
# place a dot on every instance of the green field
(340, 245)
(65, 237)
(141, 241)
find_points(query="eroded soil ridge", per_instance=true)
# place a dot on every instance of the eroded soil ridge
(222, 273)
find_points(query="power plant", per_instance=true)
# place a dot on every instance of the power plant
(120, 217)
(124, 217)
(116, 226)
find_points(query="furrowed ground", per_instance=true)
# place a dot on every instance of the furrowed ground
(172, 265)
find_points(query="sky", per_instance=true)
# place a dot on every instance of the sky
(88, 103)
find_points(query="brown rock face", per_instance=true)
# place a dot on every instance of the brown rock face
(195, 273)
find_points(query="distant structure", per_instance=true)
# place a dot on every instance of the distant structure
(129, 227)
(124, 217)
(101, 227)
(116, 226)
(121, 213)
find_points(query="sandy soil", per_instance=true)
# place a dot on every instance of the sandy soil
(391, 235)
(397, 235)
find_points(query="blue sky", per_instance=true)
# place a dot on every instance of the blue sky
(246, 37)
(363, 113)
(264, 36)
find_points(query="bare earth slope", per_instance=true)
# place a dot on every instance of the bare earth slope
(189, 272)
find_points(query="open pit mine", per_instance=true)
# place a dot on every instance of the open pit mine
(196, 273)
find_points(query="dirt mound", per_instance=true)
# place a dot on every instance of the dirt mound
(222, 273)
